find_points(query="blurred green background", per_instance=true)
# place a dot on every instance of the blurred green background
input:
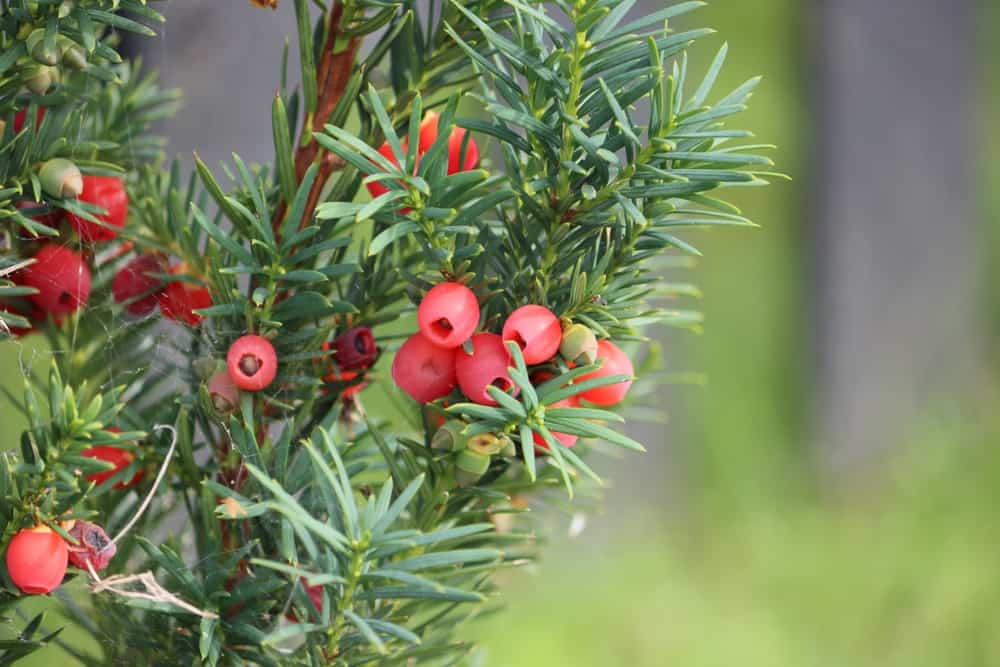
(737, 549)
(761, 559)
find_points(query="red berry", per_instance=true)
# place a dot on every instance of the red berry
(448, 314)
(567, 439)
(428, 131)
(429, 134)
(252, 362)
(119, 458)
(37, 559)
(61, 278)
(487, 365)
(179, 300)
(355, 349)
(455, 141)
(21, 116)
(224, 393)
(377, 188)
(615, 363)
(135, 285)
(40, 212)
(108, 192)
(315, 594)
(95, 547)
(423, 370)
(536, 331)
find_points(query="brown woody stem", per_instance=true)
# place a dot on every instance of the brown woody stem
(332, 75)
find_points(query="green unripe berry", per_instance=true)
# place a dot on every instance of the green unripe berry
(449, 437)
(579, 344)
(472, 462)
(43, 79)
(61, 178)
(44, 55)
(75, 57)
(507, 447)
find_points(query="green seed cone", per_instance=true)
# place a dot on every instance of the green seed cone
(43, 55)
(507, 446)
(75, 57)
(449, 437)
(61, 178)
(472, 462)
(43, 79)
(579, 344)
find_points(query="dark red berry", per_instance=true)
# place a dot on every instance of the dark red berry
(40, 212)
(37, 559)
(179, 300)
(537, 332)
(61, 277)
(355, 349)
(22, 115)
(108, 192)
(315, 594)
(448, 314)
(137, 287)
(423, 370)
(252, 362)
(486, 365)
(119, 458)
(615, 363)
(95, 547)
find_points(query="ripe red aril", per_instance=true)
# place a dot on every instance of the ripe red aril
(119, 458)
(137, 287)
(429, 134)
(315, 593)
(448, 314)
(536, 330)
(40, 212)
(179, 300)
(486, 365)
(423, 370)
(37, 559)
(252, 362)
(61, 277)
(377, 188)
(108, 192)
(615, 363)
(22, 116)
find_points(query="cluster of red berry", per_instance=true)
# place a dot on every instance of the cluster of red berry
(62, 276)
(457, 161)
(37, 557)
(447, 353)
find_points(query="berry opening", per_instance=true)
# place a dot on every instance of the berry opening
(250, 364)
(503, 384)
(517, 338)
(442, 327)
(65, 297)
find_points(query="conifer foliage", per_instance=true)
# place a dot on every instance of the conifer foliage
(294, 412)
